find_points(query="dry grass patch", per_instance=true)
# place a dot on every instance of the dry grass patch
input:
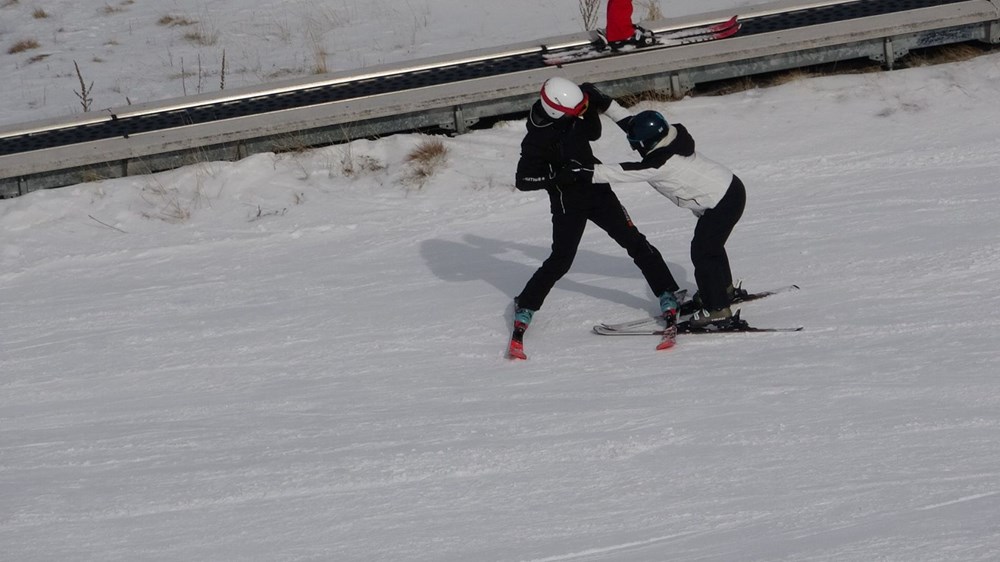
(352, 165)
(120, 7)
(22, 46)
(202, 37)
(175, 21)
(171, 204)
(108, 9)
(628, 100)
(943, 55)
(39, 14)
(319, 53)
(424, 160)
(428, 153)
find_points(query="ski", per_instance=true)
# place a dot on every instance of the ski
(683, 328)
(710, 29)
(733, 325)
(688, 36)
(688, 308)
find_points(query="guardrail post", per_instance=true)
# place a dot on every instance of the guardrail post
(993, 32)
(681, 84)
(673, 85)
(890, 56)
(460, 127)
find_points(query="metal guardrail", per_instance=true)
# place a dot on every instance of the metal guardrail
(455, 92)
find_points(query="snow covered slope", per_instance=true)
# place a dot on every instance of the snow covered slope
(299, 356)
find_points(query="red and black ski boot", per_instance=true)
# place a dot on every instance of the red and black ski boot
(515, 350)
(670, 332)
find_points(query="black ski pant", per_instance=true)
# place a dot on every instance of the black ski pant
(708, 247)
(567, 230)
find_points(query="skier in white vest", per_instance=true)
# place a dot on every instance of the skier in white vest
(672, 166)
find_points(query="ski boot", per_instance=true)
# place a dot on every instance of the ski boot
(642, 37)
(522, 317)
(601, 43)
(735, 293)
(669, 307)
(720, 319)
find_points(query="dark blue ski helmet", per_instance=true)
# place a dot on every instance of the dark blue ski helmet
(646, 129)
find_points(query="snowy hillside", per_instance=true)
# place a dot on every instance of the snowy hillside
(135, 51)
(300, 356)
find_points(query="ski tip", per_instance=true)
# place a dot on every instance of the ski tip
(515, 351)
(729, 32)
(516, 355)
(724, 25)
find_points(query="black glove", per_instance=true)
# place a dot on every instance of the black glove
(597, 98)
(574, 174)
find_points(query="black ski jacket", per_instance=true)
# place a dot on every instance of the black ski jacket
(551, 144)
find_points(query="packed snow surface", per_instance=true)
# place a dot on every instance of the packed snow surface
(300, 356)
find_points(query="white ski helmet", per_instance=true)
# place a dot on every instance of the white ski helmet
(561, 97)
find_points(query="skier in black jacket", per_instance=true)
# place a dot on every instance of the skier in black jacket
(561, 126)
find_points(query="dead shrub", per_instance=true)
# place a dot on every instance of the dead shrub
(942, 55)
(424, 160)
(202, 37)
(590, 12)
(108, 9)
(22, 46)
(352, 165)
(653, 11)
(175, 21)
